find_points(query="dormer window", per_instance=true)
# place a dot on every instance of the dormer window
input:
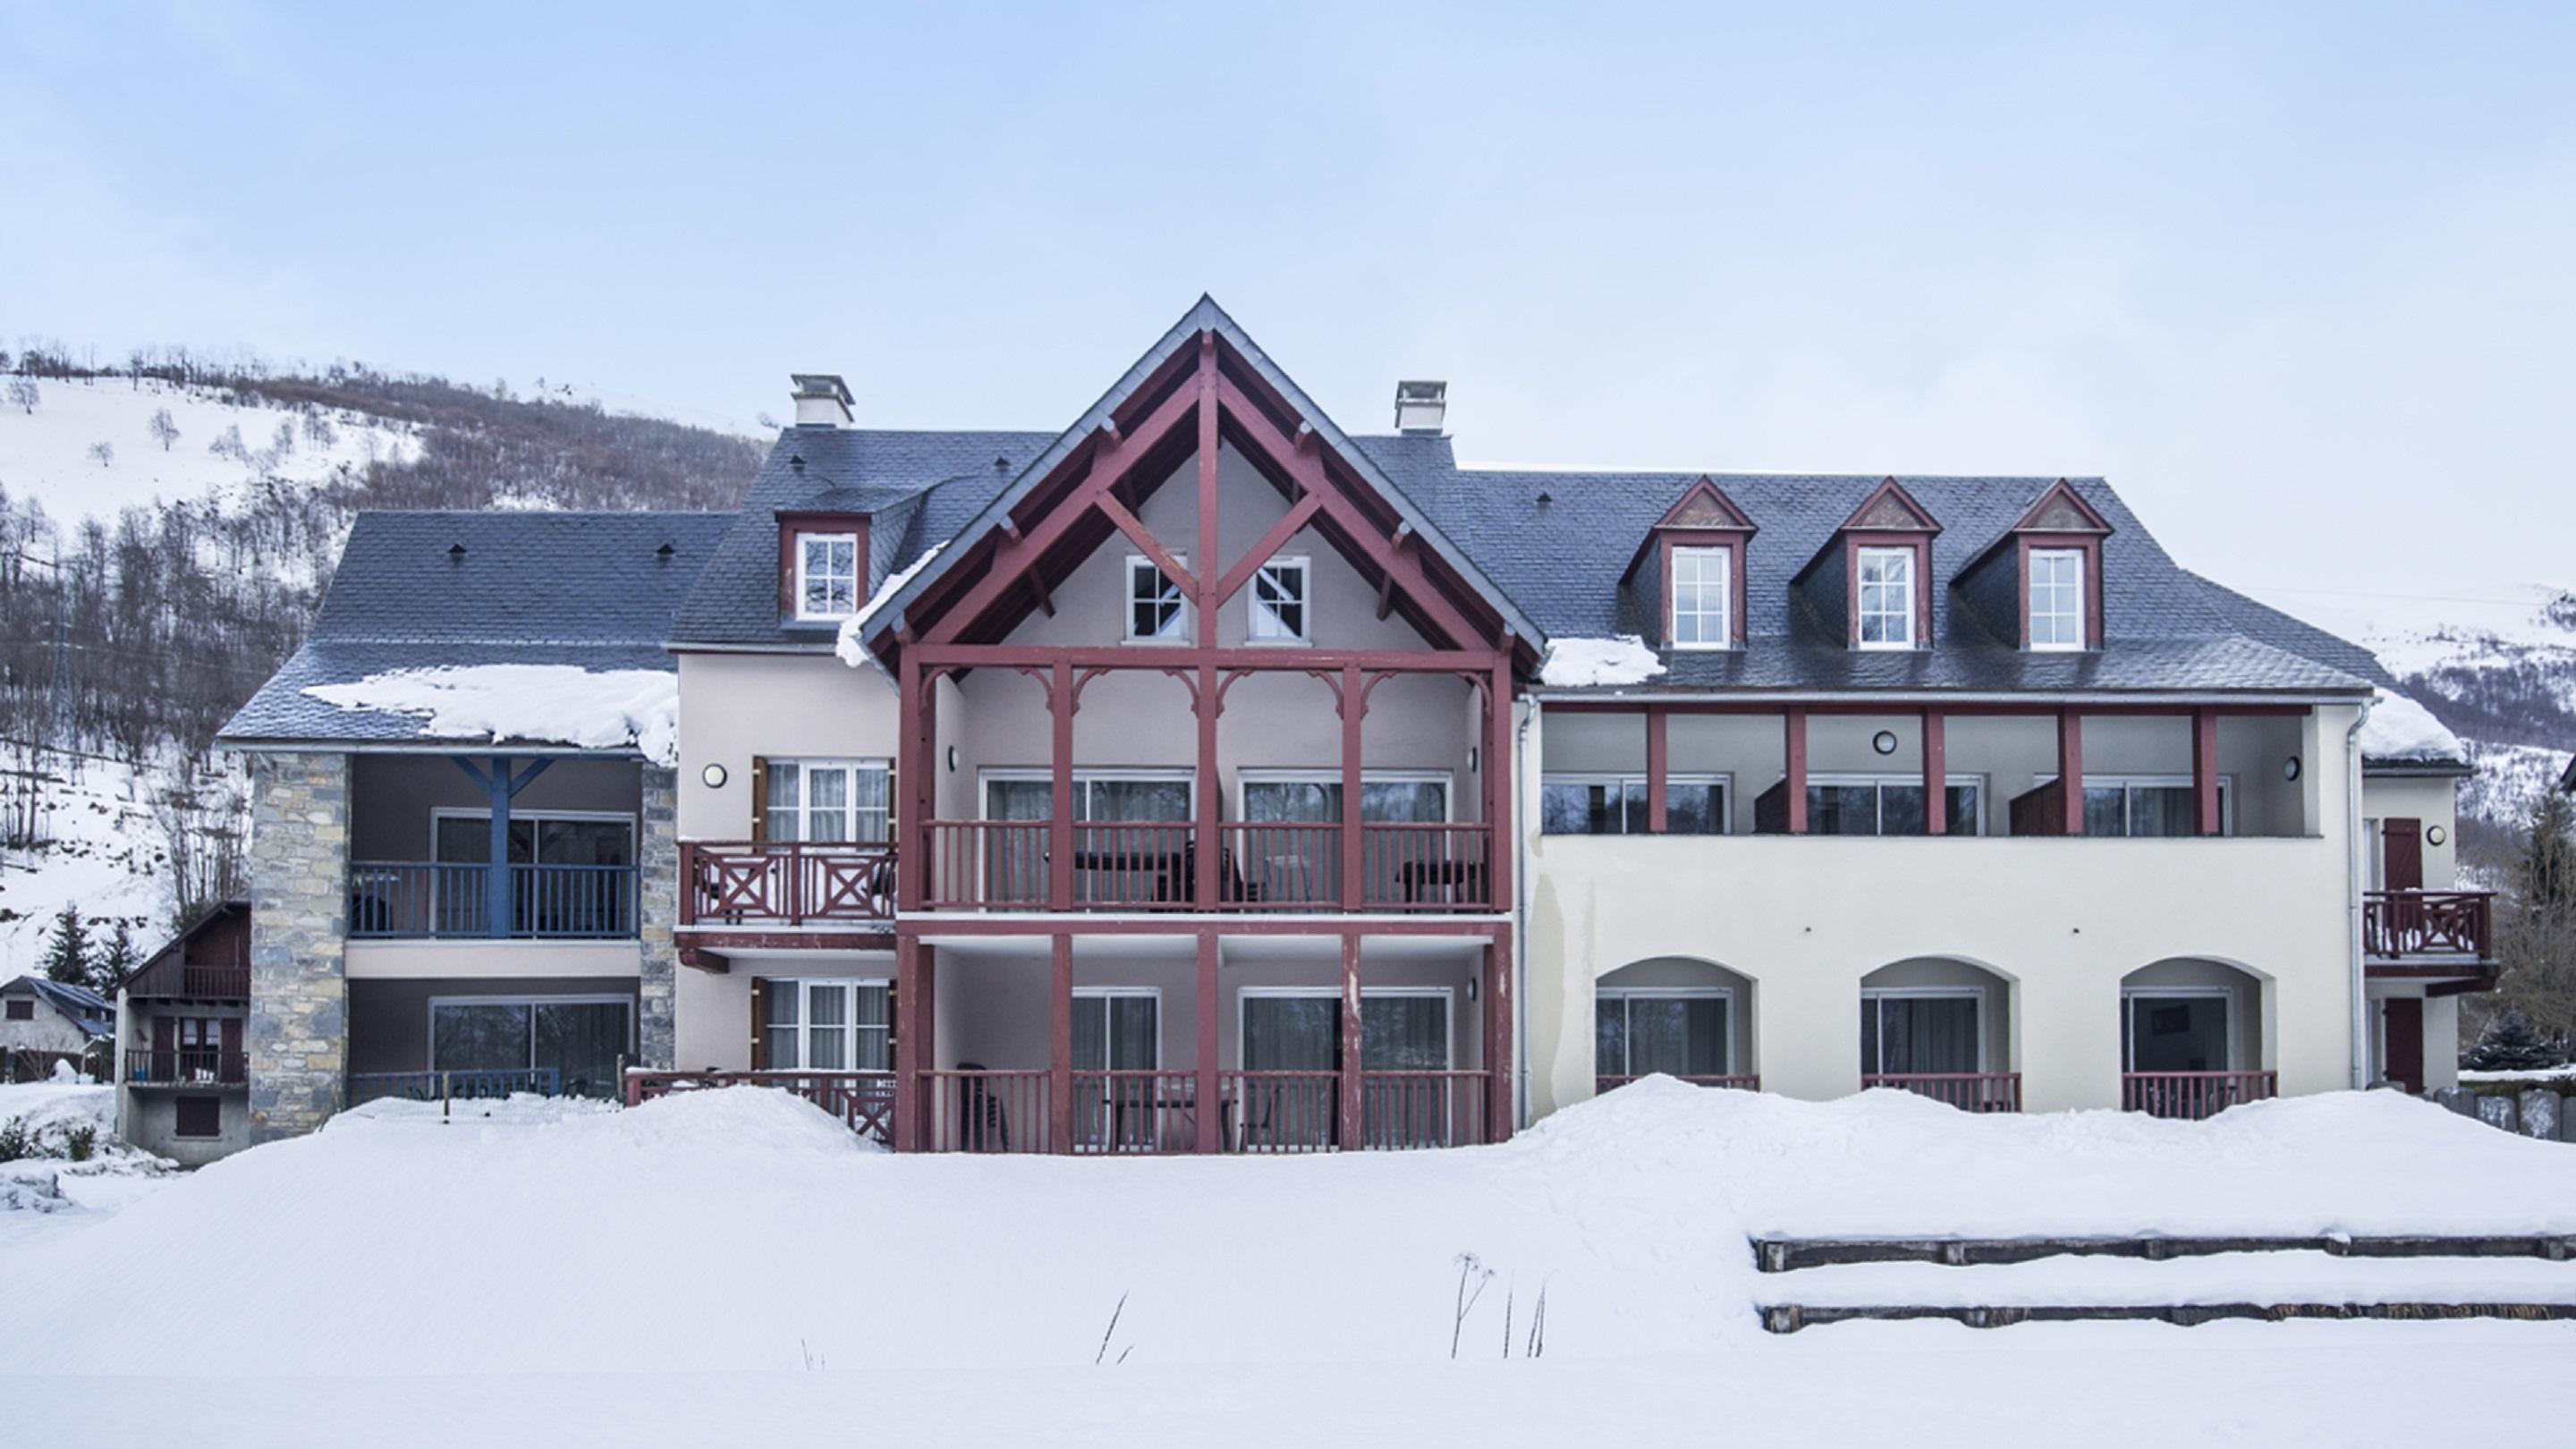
(1886, 598)
(2057, 598)
(1156, 613)
(827, 575)
(1703, 597)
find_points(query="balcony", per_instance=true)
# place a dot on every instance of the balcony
(2428, 925)
(1399, 867)
(190, 981)
(1741, 1082)
(785, 883)
(1146, 1113)
(185, 1067)
(2194, 1096)
(1967, 1091)
(426, 900)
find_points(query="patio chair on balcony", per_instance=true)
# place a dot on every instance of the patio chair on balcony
(983, 1122)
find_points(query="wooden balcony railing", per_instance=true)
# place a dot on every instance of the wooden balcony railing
(2193, 1096)
(2397, 925)
(785, 883)
(863, 1100)
(447, 899)
(1746, 1082)
(188, 981)
(1153, 865)
(1135, 1111)
(185, 1067)
(1967, 1091)
(975, 1109)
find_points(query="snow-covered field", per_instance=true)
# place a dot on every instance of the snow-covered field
(104, 854)
(733, 1266)
(47, 1194)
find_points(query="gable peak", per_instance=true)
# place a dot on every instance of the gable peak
(1890, 509)
(1705, 505)
(2061, 509)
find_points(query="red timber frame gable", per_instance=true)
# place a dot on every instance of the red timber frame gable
(1889, 518)
(1203, 397)
(2061, 519)
(1704, 518)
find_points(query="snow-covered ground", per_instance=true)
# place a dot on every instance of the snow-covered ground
(47, 1194)
(45, 453)
(735, 1266)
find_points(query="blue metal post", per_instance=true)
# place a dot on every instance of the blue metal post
(496, 882)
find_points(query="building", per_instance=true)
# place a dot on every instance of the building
(1037, 790)
(43, 1021)
(182, 1076)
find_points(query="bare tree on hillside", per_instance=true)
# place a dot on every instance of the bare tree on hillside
(164, 429)
(23, 394)
(104, 451)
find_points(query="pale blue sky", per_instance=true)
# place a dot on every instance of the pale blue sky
(2302, 280)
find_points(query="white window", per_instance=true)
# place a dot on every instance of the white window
(2151, 805)
(1636, 1033)
(827, 1025)
(1702, 597)
(1891, 805)
(827, 575)
(1279, 602)
(1887, 598)
(1156, 612)
(2056, 598)
(829, 800)
(1117, 1029)
(1922, 1031)
(1614, 804)
(2177, 1029)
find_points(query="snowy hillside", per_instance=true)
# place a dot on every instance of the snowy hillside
(98, 848)
(222, 444)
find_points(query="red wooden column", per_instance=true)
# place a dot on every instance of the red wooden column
(1210, 1109)
(1352, 1118)
(1501, 848)
(1353, 707)
(1060, 811)
(1936, 773)
(912, 782)
(1060, 1043)
(1794, 733)
(2204, 771)
(1657, 733)
(1210, 859)
(1498, 1036)
(2070, 767)
(911, 1055)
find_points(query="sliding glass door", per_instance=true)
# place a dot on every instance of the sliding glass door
(1401, 1030)
(1114, 859)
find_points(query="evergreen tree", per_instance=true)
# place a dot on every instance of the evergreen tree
(2512, 1044)
(67, 959)
(116, 963)
(2546, 874)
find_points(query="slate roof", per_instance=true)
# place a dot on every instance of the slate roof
(588, 589)
(87, 1009)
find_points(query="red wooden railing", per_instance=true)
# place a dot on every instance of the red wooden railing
(1968, 1091)
(863, 1100)
(1135, 1111)
(1281, 1111)
(185, 1067)
(1748, 1082)
(2398, 924)
(979, 1110)
(791, 883)
(1406, 1110)
(2194, 1095)
(1152, 865)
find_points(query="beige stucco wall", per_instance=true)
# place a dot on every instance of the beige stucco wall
(496, 961)
(738, 707)
(714, 1008)
(2063, 920)
(2433, 801)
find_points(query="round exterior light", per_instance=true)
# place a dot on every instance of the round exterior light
(2290, 768)
(1884, 742)
(952, 759)
(2437, 835)
(714, 775)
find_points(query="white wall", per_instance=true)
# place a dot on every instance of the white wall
(736, 707)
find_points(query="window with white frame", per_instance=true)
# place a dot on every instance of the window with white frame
(1703, 597)
(2151, 805)
(1280, 601)
(2056, 598)
(1890, 805)
(581, 1039)
(828, 800)
(1616, 804)
(1117, 1029)
(1684, 1033)
(1938, 1031)
(2177, 1029)
(1156, 612)
(827, 575)
(1886, 598)
(819, 1025)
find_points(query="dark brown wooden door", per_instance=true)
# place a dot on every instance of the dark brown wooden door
(2402, 1027)
(2401, 855)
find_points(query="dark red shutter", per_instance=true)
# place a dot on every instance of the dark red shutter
(2402, 855)
(759, 1025)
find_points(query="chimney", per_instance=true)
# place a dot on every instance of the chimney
(1421, 407)
(822, 400)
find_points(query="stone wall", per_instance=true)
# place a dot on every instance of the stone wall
(658, 914)
(299, 870)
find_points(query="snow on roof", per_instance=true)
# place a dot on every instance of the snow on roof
(555, 703)
(852, 645)
(2401, 729)
(1573, 663)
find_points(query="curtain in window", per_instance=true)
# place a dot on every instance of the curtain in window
(2163, 810)
(1682, 1035)
(779, 1027)
(1404, 1033)
(872, 1039)
(827, 1023)
(1291, 1033)
(1015, 862)
(1610, 1036)
(582, 1041)
(1921, 1034)
(786, 800)
(2106, 810)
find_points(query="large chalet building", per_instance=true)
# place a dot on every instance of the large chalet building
(1202, 777)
